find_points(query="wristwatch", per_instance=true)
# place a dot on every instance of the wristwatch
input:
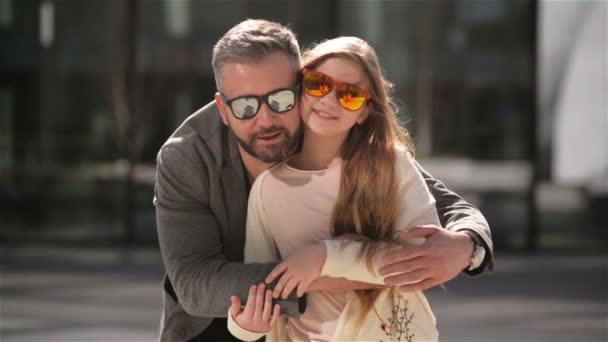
(479, 253)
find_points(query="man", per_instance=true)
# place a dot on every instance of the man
(207, 166)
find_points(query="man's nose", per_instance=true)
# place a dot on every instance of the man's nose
(265, 116)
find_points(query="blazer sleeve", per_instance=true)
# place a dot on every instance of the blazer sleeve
(456, 214)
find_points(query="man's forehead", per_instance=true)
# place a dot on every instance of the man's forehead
(273, 70)
(235, 89)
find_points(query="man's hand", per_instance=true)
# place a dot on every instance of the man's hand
(440, 258)
(298, 270)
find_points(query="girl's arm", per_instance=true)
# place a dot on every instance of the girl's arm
(342, 258)
(331, 284)
(258, 316)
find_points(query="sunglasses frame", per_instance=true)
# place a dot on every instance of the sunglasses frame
(262, 99)
(336, 85)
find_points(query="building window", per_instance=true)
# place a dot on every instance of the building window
(47, 23)
(178, 18)
(6, 129)
(6, 13)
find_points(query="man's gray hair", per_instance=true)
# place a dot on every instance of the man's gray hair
(254, 39)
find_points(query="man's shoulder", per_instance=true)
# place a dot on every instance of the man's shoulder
(203, 125)
(202, 131)
(405, 161)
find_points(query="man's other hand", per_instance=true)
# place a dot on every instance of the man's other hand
(440, 258)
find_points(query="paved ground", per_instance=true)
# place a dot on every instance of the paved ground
(74, 294)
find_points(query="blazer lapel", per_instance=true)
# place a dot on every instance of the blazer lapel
(236, 192)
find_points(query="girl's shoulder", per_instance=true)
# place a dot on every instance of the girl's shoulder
(404, 159)
(274, 178)
(271, 172)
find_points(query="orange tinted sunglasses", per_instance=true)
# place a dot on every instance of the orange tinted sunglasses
(349, 96)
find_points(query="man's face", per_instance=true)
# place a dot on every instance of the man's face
(268, 136)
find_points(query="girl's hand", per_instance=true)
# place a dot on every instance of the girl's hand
(256, 317)
(298, 270)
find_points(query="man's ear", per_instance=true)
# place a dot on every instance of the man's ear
(221, 107)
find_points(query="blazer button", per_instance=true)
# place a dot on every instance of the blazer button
(180, 332)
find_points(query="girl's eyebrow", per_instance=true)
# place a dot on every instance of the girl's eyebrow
(358, 83)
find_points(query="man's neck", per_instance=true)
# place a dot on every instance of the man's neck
(253, 166)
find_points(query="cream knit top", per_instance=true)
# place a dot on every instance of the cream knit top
(290, 208)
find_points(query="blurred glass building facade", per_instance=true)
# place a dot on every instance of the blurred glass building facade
(89, 91)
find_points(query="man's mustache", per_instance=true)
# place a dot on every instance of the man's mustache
(269, 130)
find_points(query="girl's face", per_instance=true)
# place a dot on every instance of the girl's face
(324, 116)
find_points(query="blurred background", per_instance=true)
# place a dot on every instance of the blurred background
(506, 100)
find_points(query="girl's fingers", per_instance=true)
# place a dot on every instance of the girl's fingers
(280, 268)
(235, 307)
(281, 284)
(259, 301)
(267, 306)
(293, 282)
(302, 288)
(250, 306)
(275, 316)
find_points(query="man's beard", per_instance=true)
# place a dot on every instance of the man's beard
(271, 153)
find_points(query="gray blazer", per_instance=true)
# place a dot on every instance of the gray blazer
(201, 194)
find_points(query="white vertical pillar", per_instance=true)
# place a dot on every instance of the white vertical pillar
(371, 18)
(47, 23)
(178, 17)
(7, 112)
(6, 13)
(579, 102)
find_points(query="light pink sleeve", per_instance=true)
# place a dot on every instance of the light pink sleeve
(417, 207)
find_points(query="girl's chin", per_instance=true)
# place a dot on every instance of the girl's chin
(325, 132)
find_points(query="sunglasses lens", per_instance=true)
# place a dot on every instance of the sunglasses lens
(245, 107)
(282, 100)
(351, 97)
(316, 84)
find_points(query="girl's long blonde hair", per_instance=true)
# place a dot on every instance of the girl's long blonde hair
(368, 203)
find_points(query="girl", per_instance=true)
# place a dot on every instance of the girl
(354, 177)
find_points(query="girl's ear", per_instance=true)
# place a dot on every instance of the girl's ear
(363, 115)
